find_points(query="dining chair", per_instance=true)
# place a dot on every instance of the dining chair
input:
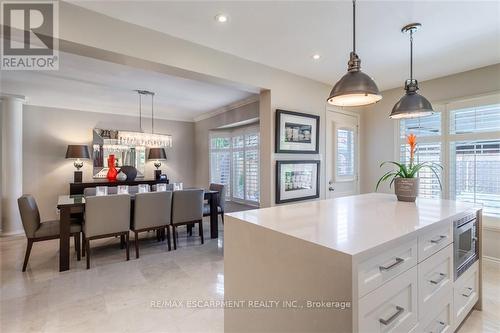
(187, 208)
(221, 200)
(152, 211)
(37, 231)
(106, 216)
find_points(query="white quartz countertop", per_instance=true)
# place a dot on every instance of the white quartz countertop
(357, 223)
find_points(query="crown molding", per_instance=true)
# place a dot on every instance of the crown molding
(226, 108)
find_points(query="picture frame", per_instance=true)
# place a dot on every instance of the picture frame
(297, 180)
(296, 133)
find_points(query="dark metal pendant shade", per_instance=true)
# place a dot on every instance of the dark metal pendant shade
(412, 104)
(354, 89)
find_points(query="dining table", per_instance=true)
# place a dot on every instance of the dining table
(75, 203)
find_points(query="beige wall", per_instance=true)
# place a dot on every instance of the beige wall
(202, 129)
(180, 57)
(48, 131)
(378, 139)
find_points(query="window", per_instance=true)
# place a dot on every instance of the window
(465, 139)
(345, 153)
(235, 162)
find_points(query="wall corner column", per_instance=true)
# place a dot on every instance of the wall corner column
(12, 163)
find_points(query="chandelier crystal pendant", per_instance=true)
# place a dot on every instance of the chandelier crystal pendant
(130, 138)
(355, 88)
(412, 104)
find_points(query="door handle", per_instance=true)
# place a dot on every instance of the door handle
(399, 310)
(331, 189)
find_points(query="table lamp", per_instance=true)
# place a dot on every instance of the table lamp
(157, 155)
(78, 152)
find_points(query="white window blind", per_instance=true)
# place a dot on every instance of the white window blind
(345, 153)
(427, 152)
(475, 120)
(475, 173)
(235, 162)
(421, 127)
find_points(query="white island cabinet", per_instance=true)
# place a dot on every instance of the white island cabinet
(364, 263)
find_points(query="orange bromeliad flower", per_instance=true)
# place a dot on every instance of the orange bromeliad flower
(412, 142)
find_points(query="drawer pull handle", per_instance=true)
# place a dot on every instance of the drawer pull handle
(441, 327)
(399, 310)
(468, 292)
(394, 264)
(441, 277)
(439, 239)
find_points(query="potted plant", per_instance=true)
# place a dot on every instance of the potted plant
(405, 177)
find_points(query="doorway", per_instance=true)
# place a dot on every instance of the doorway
(342, 153)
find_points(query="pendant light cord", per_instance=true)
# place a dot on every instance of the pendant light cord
(354, 26)
(152, 114)
(411, 55)
(140, 111)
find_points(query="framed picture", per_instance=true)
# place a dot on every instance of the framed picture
(297, 180)
(297, 133)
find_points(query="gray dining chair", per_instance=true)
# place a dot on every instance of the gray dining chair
(106, 216)
(187, 209)
(152, 211)
(37, 231)
(221, 201)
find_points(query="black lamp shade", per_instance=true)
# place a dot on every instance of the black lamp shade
(77, 151)
(157, 154)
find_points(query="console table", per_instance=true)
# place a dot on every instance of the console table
(77, 188)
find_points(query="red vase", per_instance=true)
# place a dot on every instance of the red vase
(112, 172)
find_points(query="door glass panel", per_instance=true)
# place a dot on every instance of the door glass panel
(345, 153)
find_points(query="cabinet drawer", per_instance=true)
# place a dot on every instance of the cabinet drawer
(434, 240)
(392, 307)
(465, 293)
(377, 270)
(442, 322)
(435, 280)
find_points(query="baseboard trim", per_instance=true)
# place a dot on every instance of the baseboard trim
(494, 259)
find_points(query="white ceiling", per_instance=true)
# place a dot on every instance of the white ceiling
(456, 35)
(94, 85)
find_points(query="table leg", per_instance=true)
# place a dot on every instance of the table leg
(214, 223)
(64, 237)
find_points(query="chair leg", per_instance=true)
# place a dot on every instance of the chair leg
(87, 252)
(77, 246)
(27, 254)
(168, 238)
(136, 236)
(222, 215)
(126, 245)
(122, 241)
(200, 225)
(174, 236)
(83, 244)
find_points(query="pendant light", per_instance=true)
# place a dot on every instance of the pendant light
(355, 88)
(412, 104)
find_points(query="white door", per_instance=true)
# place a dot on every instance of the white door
(342, 148)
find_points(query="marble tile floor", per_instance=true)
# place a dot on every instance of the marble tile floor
(116, 295)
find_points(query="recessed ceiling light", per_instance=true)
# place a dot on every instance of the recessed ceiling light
(316, 56)
(221, 18)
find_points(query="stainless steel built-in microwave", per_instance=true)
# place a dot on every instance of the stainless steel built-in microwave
(466, 245)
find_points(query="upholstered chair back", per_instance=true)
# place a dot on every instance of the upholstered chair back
(187, 205)
(108, 214)
(30, 216)
(221, 188)
(152, 209)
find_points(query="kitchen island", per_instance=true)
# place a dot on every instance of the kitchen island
(364, 263)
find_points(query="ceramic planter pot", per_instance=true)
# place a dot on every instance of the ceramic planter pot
(406, 189)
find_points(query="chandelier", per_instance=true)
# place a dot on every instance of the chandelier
(150, 140)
